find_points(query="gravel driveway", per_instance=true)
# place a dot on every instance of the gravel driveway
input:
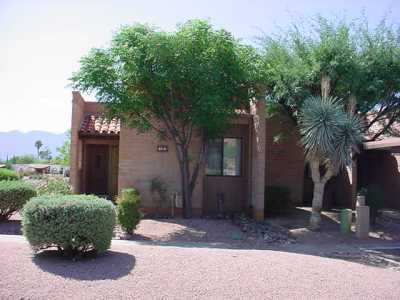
(131, 270)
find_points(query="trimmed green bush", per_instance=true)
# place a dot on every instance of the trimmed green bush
(6, 174)
(128, 210)
(13, 196)
(72, 223)
(277, 200)
(56, 186)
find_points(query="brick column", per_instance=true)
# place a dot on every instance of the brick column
(78, 106)
(258, 159)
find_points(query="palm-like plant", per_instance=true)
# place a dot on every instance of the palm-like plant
(328, 135)
(38, 145)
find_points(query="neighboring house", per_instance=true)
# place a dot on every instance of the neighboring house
(256, 152)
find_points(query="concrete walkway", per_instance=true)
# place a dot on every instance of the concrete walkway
(132, 270)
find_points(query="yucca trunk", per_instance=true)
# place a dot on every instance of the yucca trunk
(317, 201)
(318, 193)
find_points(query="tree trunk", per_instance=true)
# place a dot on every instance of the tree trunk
(317, 201)
(325, 85)
(318, 193)
(183, 159)
(188, 179)
(352, 104)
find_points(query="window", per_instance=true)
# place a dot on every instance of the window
(224, 157)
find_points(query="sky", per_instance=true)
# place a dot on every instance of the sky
(41, 42)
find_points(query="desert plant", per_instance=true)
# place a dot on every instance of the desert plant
(329, 135)
(73, 223)
(128, 210)
(6, 174)
(277, 200)
(159, 189)
(13, 196)
(54, 186)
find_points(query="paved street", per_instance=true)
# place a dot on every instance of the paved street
(131, 270)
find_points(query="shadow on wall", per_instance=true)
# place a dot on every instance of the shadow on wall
(381, 168)
(110, 265)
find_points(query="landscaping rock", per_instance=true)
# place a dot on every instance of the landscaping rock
(264, 230)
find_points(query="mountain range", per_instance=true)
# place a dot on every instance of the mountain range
(18, 143)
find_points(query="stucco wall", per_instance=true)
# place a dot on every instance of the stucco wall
(382, 168)
(79, 108)
(140, 162)
(284, 164)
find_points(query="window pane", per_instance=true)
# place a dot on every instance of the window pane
(214, 157)
(232, 156)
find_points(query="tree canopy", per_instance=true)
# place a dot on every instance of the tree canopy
(178, 84)
(63, 156)
(195, 75)
(362, 64)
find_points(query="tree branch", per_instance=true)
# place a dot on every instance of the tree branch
(199, 164)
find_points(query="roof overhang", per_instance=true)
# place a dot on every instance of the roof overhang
(384, 144)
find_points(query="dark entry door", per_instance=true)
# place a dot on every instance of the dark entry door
(226, 173)
(97, 169)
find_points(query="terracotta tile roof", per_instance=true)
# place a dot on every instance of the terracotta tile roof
(98, 124)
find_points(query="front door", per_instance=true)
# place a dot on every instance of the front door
(97, 169)
(226, 173)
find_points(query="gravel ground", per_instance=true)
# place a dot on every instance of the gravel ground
(131, 270)
(188, 230)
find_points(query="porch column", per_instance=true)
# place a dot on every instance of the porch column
(76, 145)
(258, 159)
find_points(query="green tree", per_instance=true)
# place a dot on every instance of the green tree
(38, 145)
(45, 154)
(328, 134)
(181, 85)
(63, 155)
(356, 62)
(352, 61)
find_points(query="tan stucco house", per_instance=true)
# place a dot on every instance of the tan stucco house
(106, 157)
(255, 153)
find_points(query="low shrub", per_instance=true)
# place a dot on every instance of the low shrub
(54, 186)
(128, 210)
(277, 200)
(73, 223)
(13, 196)
(6, 174)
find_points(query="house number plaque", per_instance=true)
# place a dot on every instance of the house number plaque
(162, 148)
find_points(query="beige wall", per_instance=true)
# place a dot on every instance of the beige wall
(140, 162)
(284, 163)
(258, 148)
(79, 108)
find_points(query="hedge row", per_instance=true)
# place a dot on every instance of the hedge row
(6, 174)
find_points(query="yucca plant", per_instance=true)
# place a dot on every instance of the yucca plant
(329, 135)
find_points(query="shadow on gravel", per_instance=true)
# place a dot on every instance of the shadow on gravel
(10, 227)
(110, 265)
